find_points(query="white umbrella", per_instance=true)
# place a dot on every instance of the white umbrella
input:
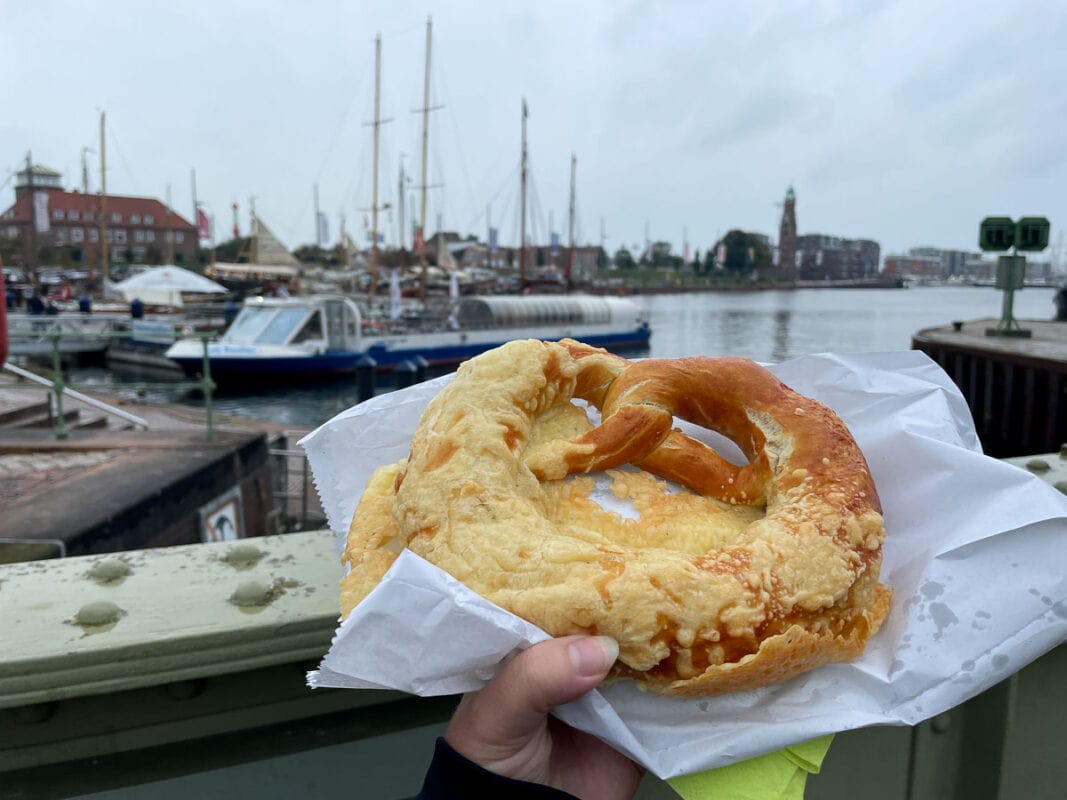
(165, 285)
(175, 279)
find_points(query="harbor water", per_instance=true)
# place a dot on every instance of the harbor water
(768, 326)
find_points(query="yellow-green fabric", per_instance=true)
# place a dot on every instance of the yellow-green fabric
(774, 776)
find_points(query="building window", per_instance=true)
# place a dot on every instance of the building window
(94, 235)
(61, 235)
(120, 236)
(149, 219)
(135, 219)
(138, 236)
(12, 232)
(77, 234)
(57, 214)
(74, 215)
(179, 237)
(149, 236)
(116, 216)
(138, 254)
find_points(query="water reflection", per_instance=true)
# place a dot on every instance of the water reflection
(781, 334)
(767, 326)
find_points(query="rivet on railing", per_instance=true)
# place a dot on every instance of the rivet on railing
(98, 614)
(110, 570)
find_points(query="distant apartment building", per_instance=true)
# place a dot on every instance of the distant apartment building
(817, 256)
(913, 266)
(823, 257)
(68, 225)
(936, 263)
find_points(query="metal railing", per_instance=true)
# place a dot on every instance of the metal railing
(290, 468)
(100, 405)
(55, 336)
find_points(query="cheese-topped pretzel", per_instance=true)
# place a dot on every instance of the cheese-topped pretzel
(763, 571)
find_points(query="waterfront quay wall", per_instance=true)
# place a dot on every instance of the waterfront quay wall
(107, 491)
(1015, 387)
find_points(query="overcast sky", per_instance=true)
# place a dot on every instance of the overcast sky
(905, 121)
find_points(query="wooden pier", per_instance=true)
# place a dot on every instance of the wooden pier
(1015, 387)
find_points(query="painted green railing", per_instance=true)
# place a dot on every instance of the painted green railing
(60, 387)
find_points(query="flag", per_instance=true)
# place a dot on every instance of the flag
(720, 254)
(554, 238)
(203, 225)
(799, 258)
(453, 286)
(394, 294)
(40, 212)
(322, 232)
(418, 244)
(493, 234)
(685, 252)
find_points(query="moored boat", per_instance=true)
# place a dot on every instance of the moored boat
(323, 336)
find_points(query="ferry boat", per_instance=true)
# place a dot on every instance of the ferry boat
(322, 336)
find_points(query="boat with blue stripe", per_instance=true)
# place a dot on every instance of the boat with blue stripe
(325, 336)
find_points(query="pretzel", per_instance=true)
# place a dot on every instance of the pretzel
(761, 572)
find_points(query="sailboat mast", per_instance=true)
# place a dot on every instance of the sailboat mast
(400, 211)
(254, 232)
(105, 257)
(318, 226)
(425, 155)
(374, 181)
(522, 206)
(570, 226)
(196, 206)
(32, 256)
(170, 231)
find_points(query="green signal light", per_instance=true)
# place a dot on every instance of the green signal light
(996, 234)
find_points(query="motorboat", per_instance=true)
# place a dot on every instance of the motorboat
(322, 336)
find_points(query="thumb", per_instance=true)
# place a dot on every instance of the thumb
(512, 708)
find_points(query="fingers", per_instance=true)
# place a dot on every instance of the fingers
(512, 708)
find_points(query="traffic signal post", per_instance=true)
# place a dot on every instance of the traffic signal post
(998, 234)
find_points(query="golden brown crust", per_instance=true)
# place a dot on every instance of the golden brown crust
(767, 570)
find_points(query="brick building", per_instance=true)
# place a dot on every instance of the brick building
(821, 257)
(140, 230)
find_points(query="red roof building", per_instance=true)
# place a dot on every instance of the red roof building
(140, 230)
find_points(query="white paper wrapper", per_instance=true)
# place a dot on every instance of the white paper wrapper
(974, 556)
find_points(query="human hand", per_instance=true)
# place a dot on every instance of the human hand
(506, 728)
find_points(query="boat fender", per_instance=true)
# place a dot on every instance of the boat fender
(405, 374)
(365, 367)
(421, 365)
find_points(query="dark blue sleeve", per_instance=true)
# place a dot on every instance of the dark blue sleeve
(452, 776)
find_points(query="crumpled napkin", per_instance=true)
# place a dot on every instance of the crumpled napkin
(781, 775)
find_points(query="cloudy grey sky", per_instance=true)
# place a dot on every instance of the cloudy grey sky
(905, 121)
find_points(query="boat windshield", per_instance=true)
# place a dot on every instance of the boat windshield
(265, 324)
(282, 326)
(248, 324)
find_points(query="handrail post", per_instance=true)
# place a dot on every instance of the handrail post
(57, 386)
(208, 386)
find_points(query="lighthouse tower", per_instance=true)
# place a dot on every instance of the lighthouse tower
(787, 238)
